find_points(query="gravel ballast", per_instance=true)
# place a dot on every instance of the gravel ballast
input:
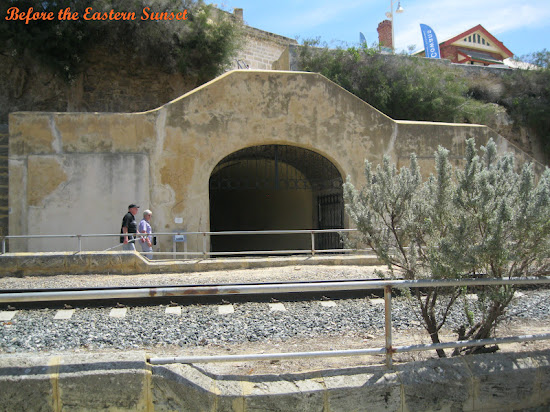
(150, 327)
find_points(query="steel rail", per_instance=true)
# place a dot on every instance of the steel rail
(79, 237)
(252, 289)
(183, 232)
(268, 252)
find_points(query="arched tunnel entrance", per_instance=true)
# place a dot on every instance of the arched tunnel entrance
(275, 187)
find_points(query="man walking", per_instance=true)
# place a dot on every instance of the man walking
(129, 225)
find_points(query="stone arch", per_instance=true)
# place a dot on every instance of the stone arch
(275, 187)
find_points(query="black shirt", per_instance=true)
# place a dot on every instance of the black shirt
(129, 221)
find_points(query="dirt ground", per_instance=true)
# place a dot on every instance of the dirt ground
(305, 365)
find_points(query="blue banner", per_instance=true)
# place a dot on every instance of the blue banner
(431, 46)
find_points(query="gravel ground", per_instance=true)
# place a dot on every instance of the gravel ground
(280, 274)
(305, 325)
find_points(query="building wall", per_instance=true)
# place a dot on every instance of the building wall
(261, 49)
(77, 172)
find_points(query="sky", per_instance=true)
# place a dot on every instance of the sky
(522, 25)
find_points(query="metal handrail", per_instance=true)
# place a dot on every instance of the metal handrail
(205, 234)
(349, 352)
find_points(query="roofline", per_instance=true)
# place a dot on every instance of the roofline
(466, 33)
(474, 29)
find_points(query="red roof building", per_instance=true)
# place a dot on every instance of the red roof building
(475, 46)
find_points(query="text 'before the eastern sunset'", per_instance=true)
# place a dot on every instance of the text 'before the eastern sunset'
(67, 14)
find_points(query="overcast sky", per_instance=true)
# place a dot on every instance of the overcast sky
(522, 25)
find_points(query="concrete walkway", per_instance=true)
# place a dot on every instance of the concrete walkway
(56, 263)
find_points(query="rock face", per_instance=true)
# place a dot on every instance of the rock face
(110, 83)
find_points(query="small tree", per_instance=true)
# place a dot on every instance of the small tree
(484, 220)
(200, 47)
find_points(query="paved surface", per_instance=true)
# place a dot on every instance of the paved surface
(290, 273)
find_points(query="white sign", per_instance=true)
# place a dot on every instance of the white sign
(180, 238)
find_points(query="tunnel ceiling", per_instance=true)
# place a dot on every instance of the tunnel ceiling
(318, 171)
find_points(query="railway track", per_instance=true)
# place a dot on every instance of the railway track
(187, 294)
(198, 319)
(342, 288)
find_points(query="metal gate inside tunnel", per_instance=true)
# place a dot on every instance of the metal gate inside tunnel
(275, 187)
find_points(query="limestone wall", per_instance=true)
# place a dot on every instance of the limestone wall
(490, 78)
(261, 49)
(109, 83)
(77, 172)
(129, 382)
(74, 174)
(3, 179)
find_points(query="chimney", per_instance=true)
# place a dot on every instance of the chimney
(238, 14)
(384, 34)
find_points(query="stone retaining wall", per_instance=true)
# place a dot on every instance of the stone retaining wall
(127, 382)
(132, 263)
(4, 139)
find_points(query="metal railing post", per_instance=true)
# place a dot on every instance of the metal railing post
(388, 326)
(3, 245)
(174, 250)
(79, 243)
(312, 243)
(185, 248)
(204, 244)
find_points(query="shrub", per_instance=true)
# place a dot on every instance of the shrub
(484, 220)
(402, 87)
(199, 47)
(411, 88)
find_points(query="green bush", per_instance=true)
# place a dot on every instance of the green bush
(406, 88)
(409, 88)
(199, 47)
(485, 220)
(527, 100)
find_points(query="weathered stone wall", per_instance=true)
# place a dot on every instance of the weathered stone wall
(27, 86)
(129, 382)
(262, 48)
(4, 138)
(109, 83)
(72, 176)
(77, 172)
